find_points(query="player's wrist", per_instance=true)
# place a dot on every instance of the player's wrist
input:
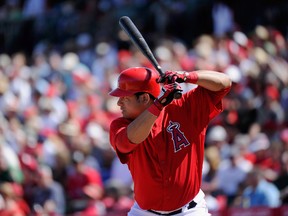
(191, 77)
(155, 108)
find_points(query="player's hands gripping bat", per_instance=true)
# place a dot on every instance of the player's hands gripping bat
(182, 76)
(166, 97)
(136, 37)
(167, 93)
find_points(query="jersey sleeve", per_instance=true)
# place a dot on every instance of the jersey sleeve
(119, 139)
(216, 96)
(207, 103)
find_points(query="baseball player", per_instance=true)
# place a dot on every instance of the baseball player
(161, 139)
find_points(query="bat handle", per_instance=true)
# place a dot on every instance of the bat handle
(177, 94)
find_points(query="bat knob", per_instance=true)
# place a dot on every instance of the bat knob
(177, 95)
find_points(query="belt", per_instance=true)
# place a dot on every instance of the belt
(192, 204)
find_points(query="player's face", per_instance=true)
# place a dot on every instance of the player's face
(130, 106)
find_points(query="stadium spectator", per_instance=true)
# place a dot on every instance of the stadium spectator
(230, 169)
(12, 202)
(259, 192)
(281, 181)
(48, 196)
(217, 136)
(84, 186)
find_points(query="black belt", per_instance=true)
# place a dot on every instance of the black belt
(192, 204)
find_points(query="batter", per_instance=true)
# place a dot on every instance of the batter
(161, 139)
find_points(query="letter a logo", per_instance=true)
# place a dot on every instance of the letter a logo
(178, 136)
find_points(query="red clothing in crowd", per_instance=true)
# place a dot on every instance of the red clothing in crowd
(77, 181)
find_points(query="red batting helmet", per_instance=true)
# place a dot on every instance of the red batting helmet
(137, 79)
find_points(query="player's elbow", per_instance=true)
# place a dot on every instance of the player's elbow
(226, 81)
(222, 81)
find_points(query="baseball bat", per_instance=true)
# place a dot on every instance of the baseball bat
(136, 37)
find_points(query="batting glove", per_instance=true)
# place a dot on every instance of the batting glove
(181, 76)
(166, 97)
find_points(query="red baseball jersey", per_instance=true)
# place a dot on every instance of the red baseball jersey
(167, 167)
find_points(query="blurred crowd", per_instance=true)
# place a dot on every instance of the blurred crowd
(55, 112)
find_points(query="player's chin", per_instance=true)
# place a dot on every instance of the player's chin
(125, 114)
(128, 115)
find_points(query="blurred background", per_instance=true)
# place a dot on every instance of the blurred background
(59, 60)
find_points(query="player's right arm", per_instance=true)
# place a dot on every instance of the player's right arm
(139, 129)
(125, 136)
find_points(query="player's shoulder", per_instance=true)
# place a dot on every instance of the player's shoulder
(119, 122)
(198, 91)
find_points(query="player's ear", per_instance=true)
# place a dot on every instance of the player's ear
(144, 98)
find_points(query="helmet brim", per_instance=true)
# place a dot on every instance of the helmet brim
(121, 93)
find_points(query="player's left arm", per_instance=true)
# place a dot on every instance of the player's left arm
(211, 80)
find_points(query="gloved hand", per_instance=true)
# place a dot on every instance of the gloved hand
(181, 76)
(165, 98)
(167, 93)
